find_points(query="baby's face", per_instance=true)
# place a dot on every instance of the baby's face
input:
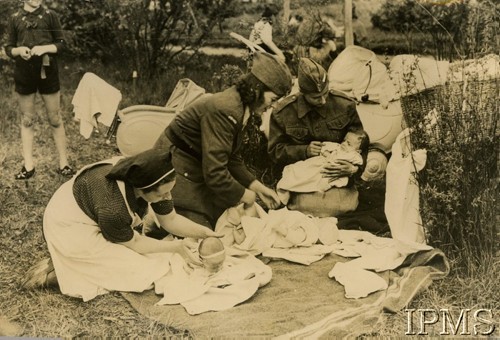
(351, 142)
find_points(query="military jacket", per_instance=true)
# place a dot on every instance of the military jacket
(295, 123)
(210, 132)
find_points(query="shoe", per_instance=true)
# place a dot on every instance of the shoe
(41, 275)
(25, 174)
(67, 171)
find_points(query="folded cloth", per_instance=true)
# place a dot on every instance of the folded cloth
(373, 252)
(357, 282)
(94, 101)
(198, 291)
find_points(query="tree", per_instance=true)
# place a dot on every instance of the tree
(457, 29)
(348, 33)
(148, 34)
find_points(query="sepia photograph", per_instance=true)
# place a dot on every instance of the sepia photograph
(240, 169)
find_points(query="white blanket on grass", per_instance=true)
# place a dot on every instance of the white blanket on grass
(198, 292)
(283, 233)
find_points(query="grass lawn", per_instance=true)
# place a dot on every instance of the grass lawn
(47, 313)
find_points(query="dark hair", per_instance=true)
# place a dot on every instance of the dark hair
(167, 179)
(251, 91)
(365, 139)
(268, 12)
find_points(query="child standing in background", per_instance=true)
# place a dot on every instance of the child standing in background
(262, 34)
(34, 38)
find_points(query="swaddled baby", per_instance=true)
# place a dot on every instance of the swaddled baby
(308, 175)
(234, 215)
(212, 254)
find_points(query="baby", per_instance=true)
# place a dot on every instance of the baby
(212, 254)
(354, 144)
(306, 176)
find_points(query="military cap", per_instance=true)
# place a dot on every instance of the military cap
(272, 72)
(312, 77)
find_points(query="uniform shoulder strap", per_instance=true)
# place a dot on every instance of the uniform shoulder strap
(342, 95)
(281, 104)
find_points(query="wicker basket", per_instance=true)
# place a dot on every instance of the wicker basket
(452, 110)
(457, 185)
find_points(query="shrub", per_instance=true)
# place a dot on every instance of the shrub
(457, 125)
(456, 28)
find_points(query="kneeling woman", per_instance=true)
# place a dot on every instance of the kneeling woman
(91, 227)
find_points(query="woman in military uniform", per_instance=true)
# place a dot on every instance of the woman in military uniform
(205, 141)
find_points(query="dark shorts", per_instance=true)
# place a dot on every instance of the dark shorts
(28, 80)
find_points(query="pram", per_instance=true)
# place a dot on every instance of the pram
(136, 128)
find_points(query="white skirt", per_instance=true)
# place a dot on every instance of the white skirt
(86, 264)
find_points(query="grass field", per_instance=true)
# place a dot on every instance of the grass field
(47, 313)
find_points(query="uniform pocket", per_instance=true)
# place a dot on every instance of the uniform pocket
(337, 128)
(297, 132)
(338, 123)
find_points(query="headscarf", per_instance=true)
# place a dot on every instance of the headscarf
(145, 169)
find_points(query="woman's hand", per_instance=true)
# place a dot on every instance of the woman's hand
(267, 195)
(248, 197)
(211, 233)
(270, 198)
(337, 169)
(187, 249)
(314, 149)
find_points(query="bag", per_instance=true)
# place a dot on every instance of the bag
(333, 202)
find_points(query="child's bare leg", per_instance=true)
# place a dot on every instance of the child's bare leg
(52, 105)
(27, 107)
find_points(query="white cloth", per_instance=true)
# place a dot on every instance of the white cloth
(283, 233)
(94, 101)
(357, 282)
(358, 72)
(262, 32)
(292, 228)
(305, 176)
(402, 192)
(423, 73)
(373, 252)
(86, 264)
(241, 276)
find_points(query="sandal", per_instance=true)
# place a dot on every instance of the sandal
(67, 171)
(25, 174)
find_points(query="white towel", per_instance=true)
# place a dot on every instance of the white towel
(357, 282)
(402, 193)
(198, 292)
(94, 101)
